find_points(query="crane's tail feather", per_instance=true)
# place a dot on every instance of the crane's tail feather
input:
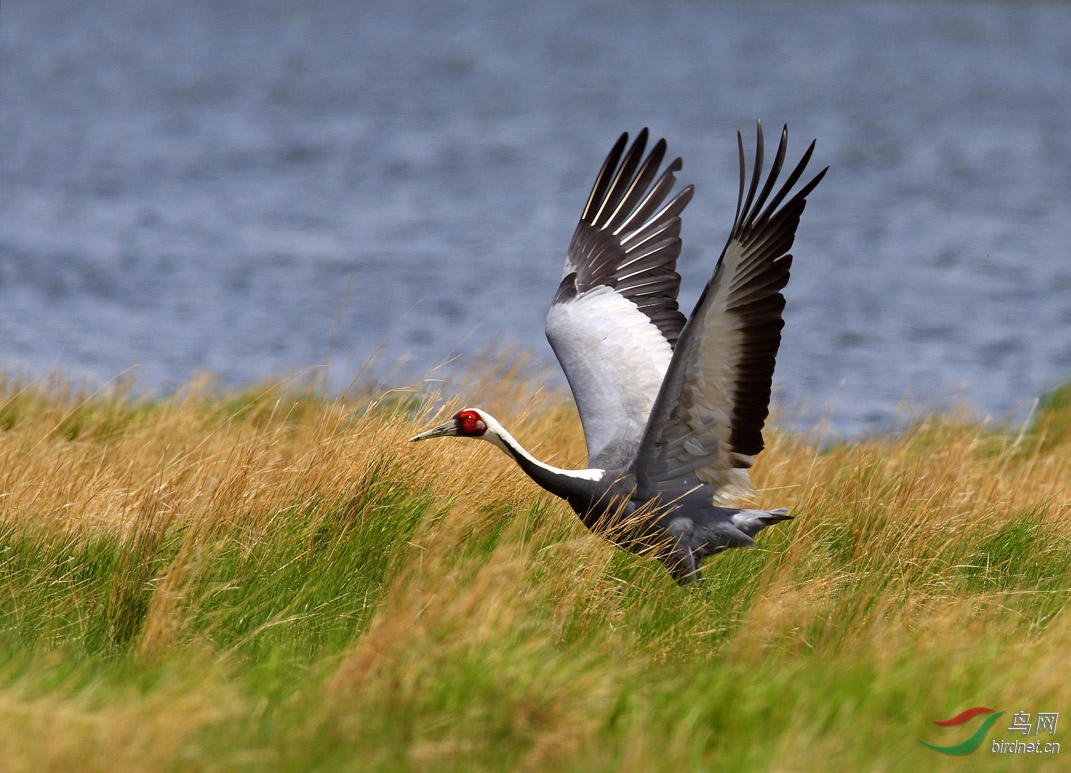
(751, 522)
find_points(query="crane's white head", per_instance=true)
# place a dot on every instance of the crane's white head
(465, 423)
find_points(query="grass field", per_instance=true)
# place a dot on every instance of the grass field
(272, 580)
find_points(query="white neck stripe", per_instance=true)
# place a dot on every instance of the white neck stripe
(498, 435)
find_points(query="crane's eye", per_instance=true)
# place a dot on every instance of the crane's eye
(470, 423)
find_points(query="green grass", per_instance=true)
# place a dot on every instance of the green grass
(271, 580)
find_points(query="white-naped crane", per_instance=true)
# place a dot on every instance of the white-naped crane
(672, 410)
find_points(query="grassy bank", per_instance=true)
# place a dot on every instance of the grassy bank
(270, 580)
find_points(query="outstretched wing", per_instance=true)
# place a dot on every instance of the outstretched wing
(615, 320)
(706, 425)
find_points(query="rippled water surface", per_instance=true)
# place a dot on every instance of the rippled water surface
(258, 188)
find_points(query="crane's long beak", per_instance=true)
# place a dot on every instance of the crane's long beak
(449, 429)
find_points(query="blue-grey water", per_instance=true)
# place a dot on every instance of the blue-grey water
(261, 188)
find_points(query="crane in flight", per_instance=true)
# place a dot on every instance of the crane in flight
(672, 409)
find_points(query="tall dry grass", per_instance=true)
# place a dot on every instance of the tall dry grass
(271, 578)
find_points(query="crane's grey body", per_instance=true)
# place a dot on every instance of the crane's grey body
(673, 409)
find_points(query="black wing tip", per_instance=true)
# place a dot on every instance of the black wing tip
(625, 175)
(757, 211)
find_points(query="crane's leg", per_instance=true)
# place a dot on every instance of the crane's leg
(681, 558)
